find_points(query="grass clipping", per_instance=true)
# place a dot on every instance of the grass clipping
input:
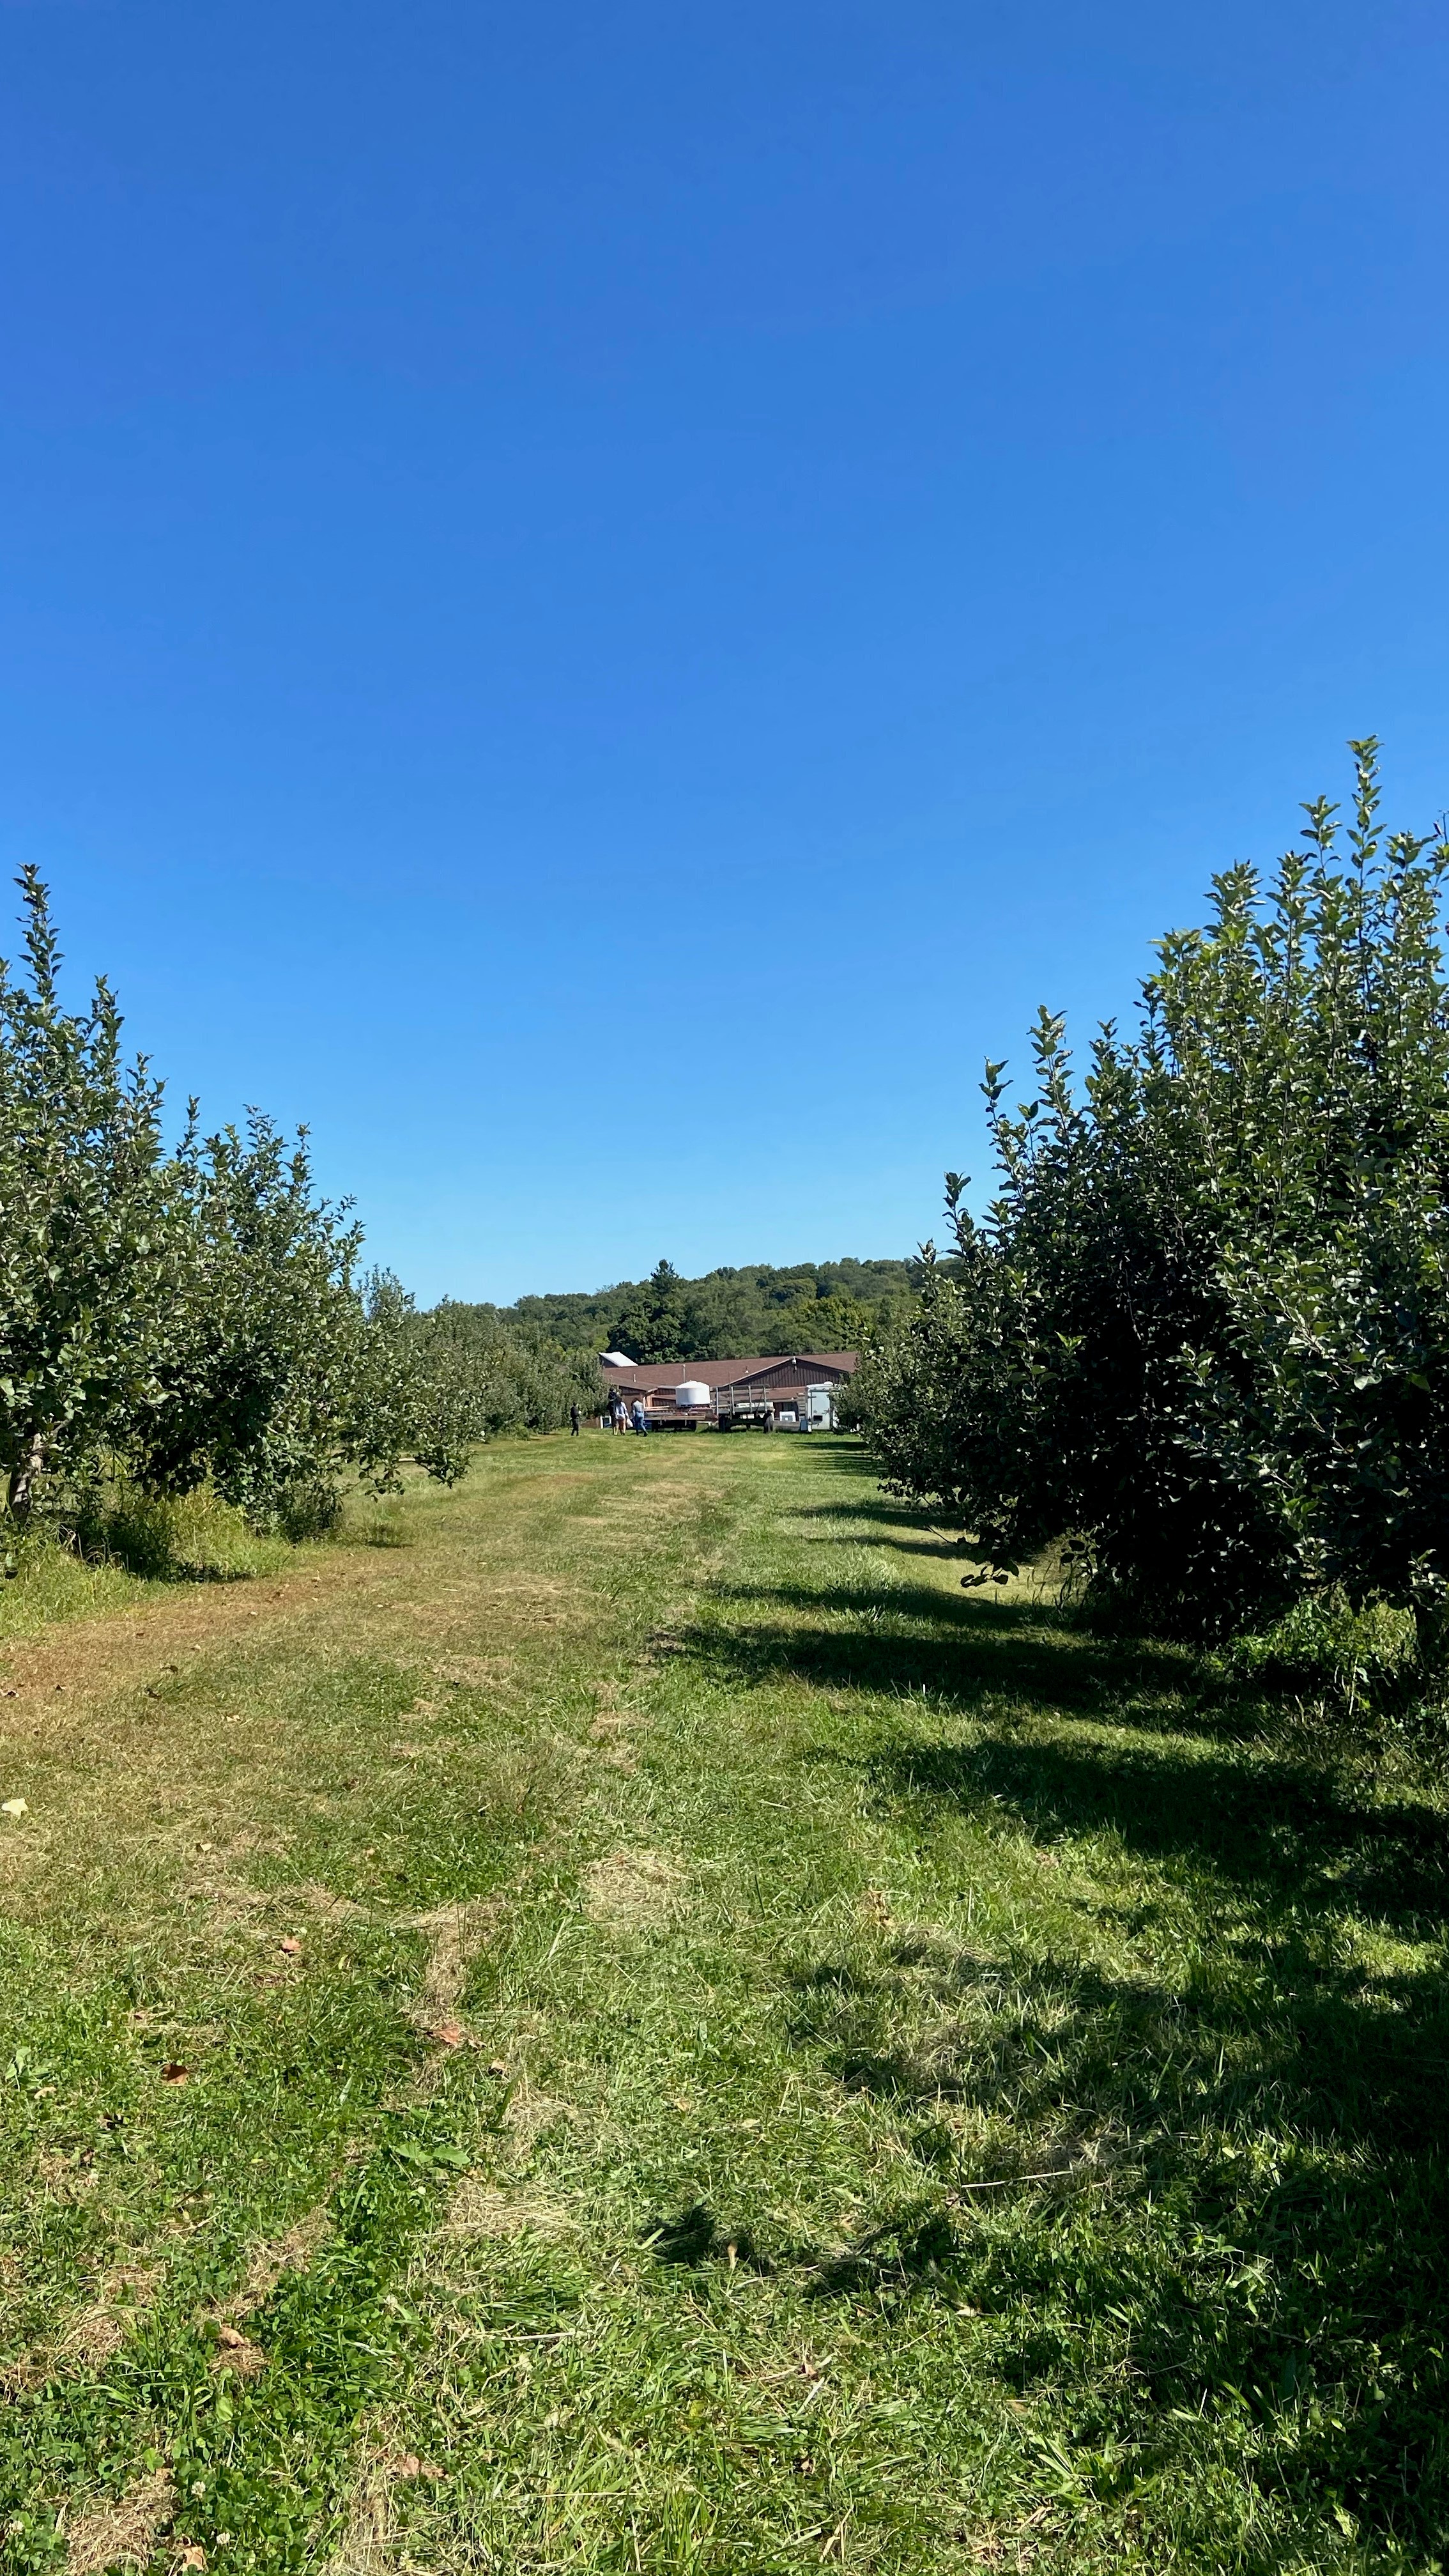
(627, 1891)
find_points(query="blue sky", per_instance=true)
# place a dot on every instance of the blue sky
(599, 600)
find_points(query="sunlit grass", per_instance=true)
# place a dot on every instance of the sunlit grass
(142, 1543)
(703, 2046)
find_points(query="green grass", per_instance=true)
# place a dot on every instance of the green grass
(782, 2063)
(194, 1540)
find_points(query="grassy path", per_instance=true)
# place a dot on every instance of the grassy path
(642, 2029)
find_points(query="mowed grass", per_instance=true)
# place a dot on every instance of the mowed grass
(637, 2026)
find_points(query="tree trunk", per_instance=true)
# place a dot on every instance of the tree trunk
(22, 1479)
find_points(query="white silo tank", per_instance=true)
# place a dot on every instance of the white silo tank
(692, 1394)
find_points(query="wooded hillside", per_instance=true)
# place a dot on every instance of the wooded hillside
(727, 1314)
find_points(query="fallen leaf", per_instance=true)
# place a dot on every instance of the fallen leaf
(230, 2336)
(192, 2557)
(292, 1948)
(14, 1807)
(450, 2033)
(497, 2067)
(173, 2072)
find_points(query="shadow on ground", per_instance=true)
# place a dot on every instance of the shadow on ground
(1213, 2193)
(962, 1650)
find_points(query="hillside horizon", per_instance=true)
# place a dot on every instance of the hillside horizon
(733, 1312)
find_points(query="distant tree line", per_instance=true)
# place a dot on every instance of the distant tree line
(1202, 1334)
(729, 1313)
(191, 1312)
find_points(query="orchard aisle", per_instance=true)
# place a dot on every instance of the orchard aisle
(631, 2024)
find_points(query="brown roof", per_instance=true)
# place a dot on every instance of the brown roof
(647, 1379)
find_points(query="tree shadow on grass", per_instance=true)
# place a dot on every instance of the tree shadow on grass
(877, 1508)
(696, 2237)
(1353, 2054)
(1207, 2204)
(1208, 1790)
(911, 2246)
(931, 1544)
(1222, 2200)
(1211, 2219)
(961, 1652)
(1267, 1826)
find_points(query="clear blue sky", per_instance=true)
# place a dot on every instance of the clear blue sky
(599, 599)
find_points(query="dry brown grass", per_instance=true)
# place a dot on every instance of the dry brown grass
(112, 1756)
(529, 2114)
(629, 1889)
(92, 1658)
(123, 2530)
(364, 2548)
(478, 2209)
(458, 1933)
(478, 1672)
(367, 2544)
(615, 1727)
(236, 2352)
(91, 2335)
(269, 2263)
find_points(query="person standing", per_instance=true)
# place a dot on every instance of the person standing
(641, 1418)
(574, 1420)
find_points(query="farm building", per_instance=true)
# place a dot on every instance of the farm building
(781, 1394)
